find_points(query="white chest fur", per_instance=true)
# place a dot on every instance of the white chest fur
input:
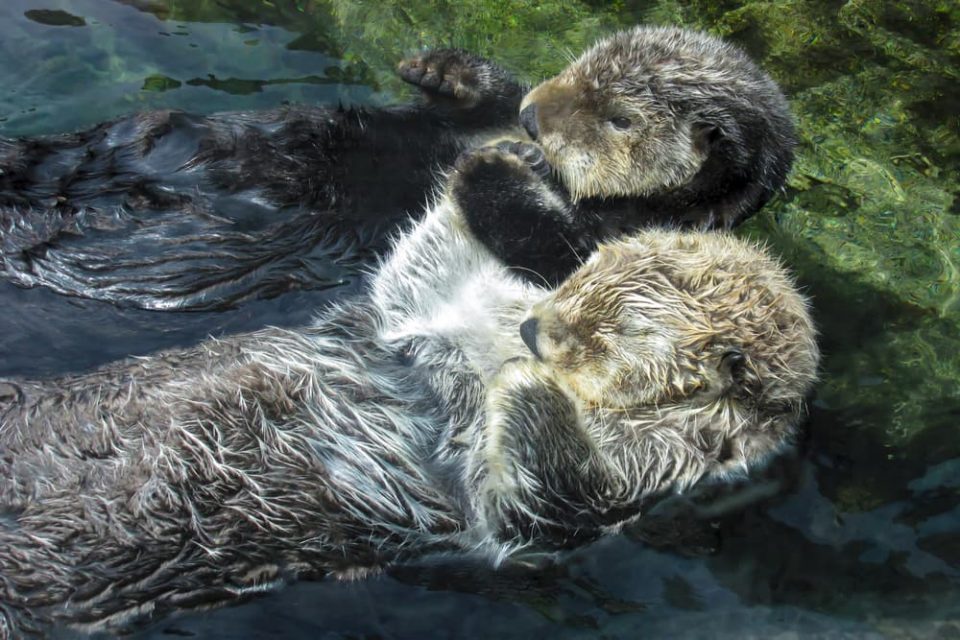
(479, 318)
(444, 292)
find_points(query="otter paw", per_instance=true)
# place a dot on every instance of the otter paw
(447, 73)
(498, 164)
(530, 153)
(521, 216)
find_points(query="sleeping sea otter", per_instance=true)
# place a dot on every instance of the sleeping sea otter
(651, 126)
(454, 406)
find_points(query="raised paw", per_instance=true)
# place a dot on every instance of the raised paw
(522, 156)
(493, 168)
(521, 216)
(531, 154)
(450, 74)
(463, 81)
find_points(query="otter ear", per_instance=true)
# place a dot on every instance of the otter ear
(705, 136)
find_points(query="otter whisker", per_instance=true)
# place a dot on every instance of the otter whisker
(540, 277)
(573, 250)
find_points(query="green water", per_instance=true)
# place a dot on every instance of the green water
(858, 534)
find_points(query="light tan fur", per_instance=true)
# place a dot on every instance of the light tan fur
(642, 113)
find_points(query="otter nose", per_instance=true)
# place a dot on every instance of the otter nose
(528, 118)
(528, 333)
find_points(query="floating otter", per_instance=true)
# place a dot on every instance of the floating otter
(174, 211)
(656, 125)
(452, 407)
(168, 210)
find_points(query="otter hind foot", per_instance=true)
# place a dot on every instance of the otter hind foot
(456, 78)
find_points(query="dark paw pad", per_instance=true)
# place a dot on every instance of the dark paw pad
(446, 73)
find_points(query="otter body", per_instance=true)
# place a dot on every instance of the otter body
(169, 210)
(652, 126)
(453, 406)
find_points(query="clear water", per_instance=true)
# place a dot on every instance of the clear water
(856, 535)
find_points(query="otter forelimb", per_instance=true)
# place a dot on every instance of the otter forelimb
(519, 213)
(537, 444)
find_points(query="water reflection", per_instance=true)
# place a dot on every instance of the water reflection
(98, 67)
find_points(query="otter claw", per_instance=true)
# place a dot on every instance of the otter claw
(531, 154)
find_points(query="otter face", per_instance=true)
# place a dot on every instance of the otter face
(602, 341)
(605, 139)
(654, 109)
(666, 318)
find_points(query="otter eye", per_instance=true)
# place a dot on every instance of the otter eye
(620, 122)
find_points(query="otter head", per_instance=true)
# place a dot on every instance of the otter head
(699, 335)
(663, 111)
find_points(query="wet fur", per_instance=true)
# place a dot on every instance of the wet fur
(174, 211)
(410, 420)
(168, 210)
(651, 126)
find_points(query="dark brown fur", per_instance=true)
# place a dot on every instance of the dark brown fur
(169, 210)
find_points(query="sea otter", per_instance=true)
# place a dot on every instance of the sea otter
(174, 211)
(454, 406)
(655, 125)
